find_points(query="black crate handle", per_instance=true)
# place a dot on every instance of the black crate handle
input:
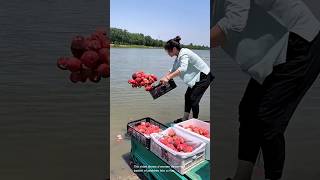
(162, 89)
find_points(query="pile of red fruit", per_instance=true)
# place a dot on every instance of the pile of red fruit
(198, 130)
(175, 142)
(140, 79)
(147, 128)
(91, 58)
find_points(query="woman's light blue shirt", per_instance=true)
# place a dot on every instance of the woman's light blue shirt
(190, 66)
(257, 31)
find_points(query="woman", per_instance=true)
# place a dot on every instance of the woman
(193, 71)
(283, 61)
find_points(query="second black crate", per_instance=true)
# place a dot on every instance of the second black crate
(140, 137)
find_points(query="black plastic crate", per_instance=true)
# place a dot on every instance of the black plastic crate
(162, 89)
(143, 139)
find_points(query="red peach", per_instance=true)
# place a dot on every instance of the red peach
(142, 83)
(138, 80)
(78, 46)
(134, 76)
(93, 45)
(73, 64)
(90, 59)
(164, 141)
(206, 131)
(104, 55)
(181, 147)
(85, 73)
(171, 146)
(131, 81)
(170, 140)
(101, 36)
(181, 140)
(94, 76)
(62, 63)
(148, 88)
(154, 77)
(103, 70)
(200, 131)
(147, 132)
(188, 149)
(171, 133)
(176, 142)
(75, 77)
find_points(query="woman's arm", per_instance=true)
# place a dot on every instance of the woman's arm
(184, 60)
(218, 37)
(173, 74)
(235, 19)
(170, 75)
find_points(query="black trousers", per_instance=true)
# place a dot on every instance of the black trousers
(193, 95)
(265, 109)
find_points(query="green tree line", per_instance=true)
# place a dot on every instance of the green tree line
(123, 37)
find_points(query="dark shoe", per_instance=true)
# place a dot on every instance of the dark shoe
(228, 179)
(177, 121)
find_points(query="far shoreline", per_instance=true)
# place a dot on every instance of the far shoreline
(133, 46)
(141, 46)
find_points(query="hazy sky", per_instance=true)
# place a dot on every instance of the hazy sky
(164, 19)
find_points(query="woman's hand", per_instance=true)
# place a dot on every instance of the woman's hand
(217, 36)
(164, 80)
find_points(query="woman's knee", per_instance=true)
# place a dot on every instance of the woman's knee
(273, 120)
(194, 101)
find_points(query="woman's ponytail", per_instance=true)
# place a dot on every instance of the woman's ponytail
(177, 39)
(175, 42)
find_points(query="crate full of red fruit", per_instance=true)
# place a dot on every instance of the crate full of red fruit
(199, 129)
(142, 128)
(179, 150)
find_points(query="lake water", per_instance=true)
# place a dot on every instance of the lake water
(129, 104)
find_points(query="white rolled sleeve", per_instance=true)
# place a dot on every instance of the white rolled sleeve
(236, 16)
(184, 61)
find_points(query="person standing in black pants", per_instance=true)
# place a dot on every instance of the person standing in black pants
(193, 71)
(193, 95)
(265, 109)
(278, 44)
